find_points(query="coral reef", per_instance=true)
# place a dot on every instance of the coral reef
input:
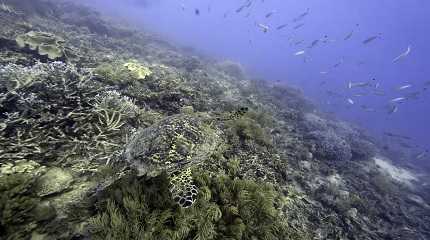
(168, 144)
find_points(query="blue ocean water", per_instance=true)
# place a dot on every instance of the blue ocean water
(317, 46)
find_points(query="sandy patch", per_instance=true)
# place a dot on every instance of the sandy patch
(397, 173)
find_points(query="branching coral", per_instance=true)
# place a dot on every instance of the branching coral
(113, 100)
(54, 115)
(109, 120)
(13, 76)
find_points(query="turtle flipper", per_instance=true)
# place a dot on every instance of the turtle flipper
(183, 191)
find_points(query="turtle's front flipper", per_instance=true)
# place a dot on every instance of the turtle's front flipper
(183, 191)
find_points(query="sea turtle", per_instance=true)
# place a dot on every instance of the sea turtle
(175, 145)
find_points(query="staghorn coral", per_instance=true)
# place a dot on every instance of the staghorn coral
(14, 76)
(53, 116)
(115, 101)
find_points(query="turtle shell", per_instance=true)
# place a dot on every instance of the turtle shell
(173, 144)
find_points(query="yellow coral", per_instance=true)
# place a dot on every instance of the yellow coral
(140, 71)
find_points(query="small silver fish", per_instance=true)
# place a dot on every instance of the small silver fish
(404, 87)
(379, 93)
(358, 84)
(281, 26)
(367, 109)
(396, 135)
(413, 95)
(350, 101)
(299, 42)
(370, 39)
(349, 35)
(299, 53)
(314, 43)
(406, 53)
(264, 28)
(269, 14)
(240, 9)
(421, 155)
(399, 99)
(299, 26)
(393, 109)
(301, 16)
(338, 64)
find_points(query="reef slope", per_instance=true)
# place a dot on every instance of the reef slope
(111, 133)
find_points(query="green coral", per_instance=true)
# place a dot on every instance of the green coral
(46, 44)
(227, 208)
